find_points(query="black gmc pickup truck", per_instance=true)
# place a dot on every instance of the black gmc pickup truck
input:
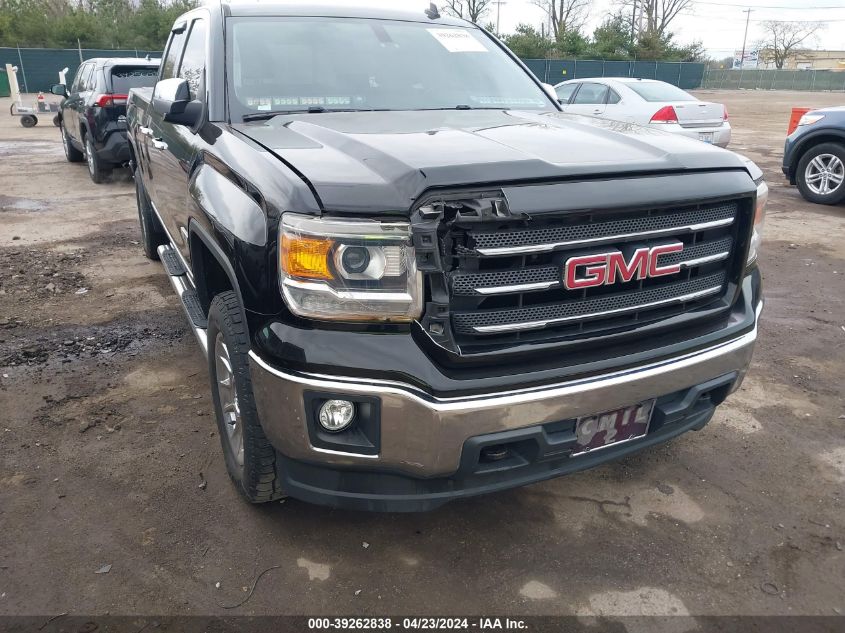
(414, 278)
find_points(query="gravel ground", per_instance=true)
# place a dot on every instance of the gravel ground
(108, 452)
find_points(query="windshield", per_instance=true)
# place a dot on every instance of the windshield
(284, 64)
(124, 78)
(659, 91)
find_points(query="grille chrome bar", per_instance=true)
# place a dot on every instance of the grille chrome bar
(498, 290)
(709, 259)
(531, 325)
(547, 285)
(544, 248)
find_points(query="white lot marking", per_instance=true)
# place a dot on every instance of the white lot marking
(645, 601)
(738, 420)
(834, 459)
(755, 394)
(316, 571)
(647, 502)
(12, 480)
(152, 378)
(535, 590)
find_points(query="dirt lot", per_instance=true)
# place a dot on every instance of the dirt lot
(109, 455)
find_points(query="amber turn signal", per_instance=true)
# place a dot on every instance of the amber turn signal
(306, 257)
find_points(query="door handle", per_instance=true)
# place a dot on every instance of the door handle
(146, 131)
(159, 144)
(597, 111)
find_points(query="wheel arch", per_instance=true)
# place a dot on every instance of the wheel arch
(808, 143)
(212, 270)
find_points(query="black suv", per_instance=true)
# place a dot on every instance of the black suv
(92, 116)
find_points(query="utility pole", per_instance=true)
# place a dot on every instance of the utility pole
(744, 38)
(498, 4)
(634, 23)
(640, 19)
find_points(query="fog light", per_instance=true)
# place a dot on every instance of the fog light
(336, 415)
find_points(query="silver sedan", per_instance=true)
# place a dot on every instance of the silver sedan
(647, 102)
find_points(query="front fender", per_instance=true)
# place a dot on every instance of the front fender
(807, 140)
(234, 228)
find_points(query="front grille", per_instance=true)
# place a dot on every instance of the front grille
(579, 233)
(506, 284)
(583, 309)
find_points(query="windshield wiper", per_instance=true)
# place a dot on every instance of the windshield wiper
(463, 106)
(258, 116)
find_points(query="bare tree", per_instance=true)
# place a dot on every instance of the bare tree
(472, 10)
(652, 17)
(565, 15)
(782, 39)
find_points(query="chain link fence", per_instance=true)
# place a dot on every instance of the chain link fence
(809, 80)
(38, 68)
(686, 75)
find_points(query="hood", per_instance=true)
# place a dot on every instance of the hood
(379, 162)
(830, 109)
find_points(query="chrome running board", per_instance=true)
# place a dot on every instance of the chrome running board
(187, 296)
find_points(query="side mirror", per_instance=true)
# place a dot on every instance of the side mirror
(59, 89)
(172, 100)
(550, 90)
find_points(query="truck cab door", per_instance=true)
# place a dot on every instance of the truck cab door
(174, 146)
(155, 147)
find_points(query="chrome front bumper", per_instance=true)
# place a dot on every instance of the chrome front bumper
(423, 436)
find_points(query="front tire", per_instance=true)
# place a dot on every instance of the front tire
(99, 173)
(250, 458)
(821, 174)
(152, 235)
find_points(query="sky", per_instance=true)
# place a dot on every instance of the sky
(719, 24)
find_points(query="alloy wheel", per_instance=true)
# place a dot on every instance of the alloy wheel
(824, 174)
(228, 394)
(89, 156)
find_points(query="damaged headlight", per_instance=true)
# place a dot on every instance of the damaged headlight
(759, 218)
(759, 210)
(348, 269)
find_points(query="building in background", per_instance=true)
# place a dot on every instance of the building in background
(807, 60)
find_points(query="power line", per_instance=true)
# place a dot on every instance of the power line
(763, 6)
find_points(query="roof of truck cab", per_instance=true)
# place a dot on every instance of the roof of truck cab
(302, 8)
(124, 61)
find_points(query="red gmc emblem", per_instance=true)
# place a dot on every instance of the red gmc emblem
(587, 271)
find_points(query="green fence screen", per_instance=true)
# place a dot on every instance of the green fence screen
(38, 68)
(830, 80)
(687, 75)
(4, 83)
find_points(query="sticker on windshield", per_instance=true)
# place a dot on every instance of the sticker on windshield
(457, 40)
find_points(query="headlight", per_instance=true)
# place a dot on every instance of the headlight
(759, 218)
(348, 269)
(809, 119)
